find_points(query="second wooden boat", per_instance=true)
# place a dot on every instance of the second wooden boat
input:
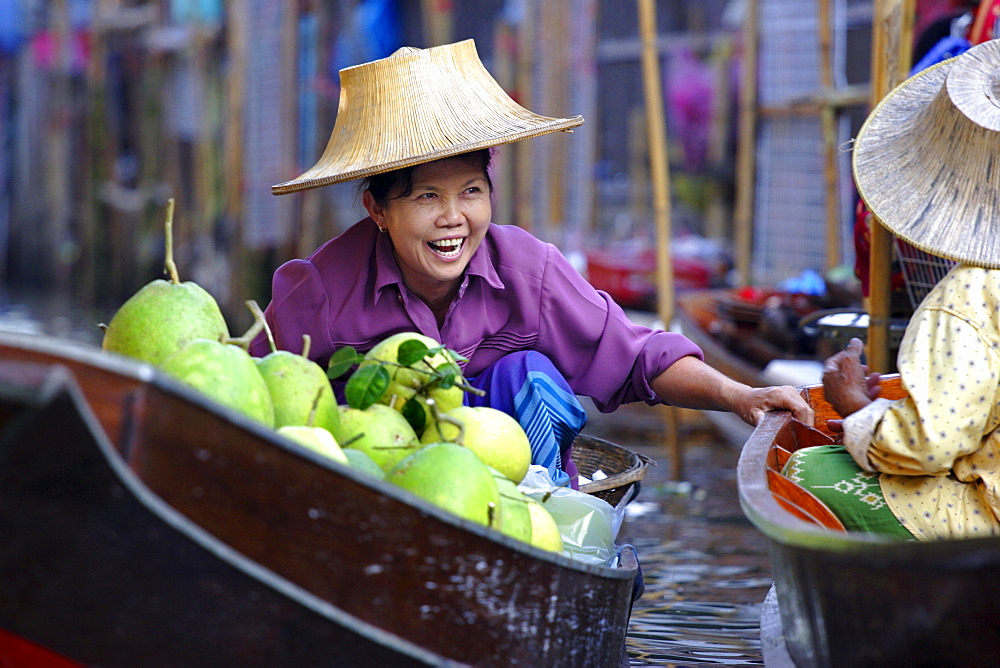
(857, 599)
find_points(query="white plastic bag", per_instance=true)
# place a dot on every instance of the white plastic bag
(588, 524)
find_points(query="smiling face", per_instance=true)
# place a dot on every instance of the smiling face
(437, 226)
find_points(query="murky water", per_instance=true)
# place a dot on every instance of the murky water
(666, 628)
(705, 567)
(52, 315)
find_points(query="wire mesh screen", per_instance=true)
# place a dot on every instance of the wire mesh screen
(790, 197)
(921, 271)
(265, 114)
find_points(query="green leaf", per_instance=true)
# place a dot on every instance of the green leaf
(411, 351)
(414, 414)
(341, 362)
(455, 356)
(448, 377)
(366, 386)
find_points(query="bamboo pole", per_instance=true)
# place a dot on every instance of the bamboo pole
(437, 21)
(523, 155)
(658, 164)
(717, 216)
(554, 24)
(289, 208)
(828, 121)
(892, 39)
(237, 52)
(660, 175)
(747, 146)
(504, 57)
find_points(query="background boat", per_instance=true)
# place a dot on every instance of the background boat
(856, 599)
(140, 520)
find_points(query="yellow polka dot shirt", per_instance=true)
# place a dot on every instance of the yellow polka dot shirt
(938, 450)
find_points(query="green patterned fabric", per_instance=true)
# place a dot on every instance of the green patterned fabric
(854, 495)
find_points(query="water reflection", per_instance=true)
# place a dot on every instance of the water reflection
(687, 632)
(51, 315)
(705, 566)
(667, 629)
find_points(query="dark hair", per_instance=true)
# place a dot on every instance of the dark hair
(381, 185)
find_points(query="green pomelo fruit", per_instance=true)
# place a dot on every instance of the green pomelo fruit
(496, 437)
(406, 381)
(382, 433)
(396, 395)
(297, 384)
(225, 373)
(161, 318)
(317, 439)
(544, 530)
(515, 518)
(451, 477)
(360, 461)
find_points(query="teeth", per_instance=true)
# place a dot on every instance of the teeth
(447, 247)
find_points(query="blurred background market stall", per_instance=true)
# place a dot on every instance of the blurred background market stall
(109, 107)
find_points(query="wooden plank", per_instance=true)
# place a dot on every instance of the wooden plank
(892, 38)
(828, 122)
(746, 148)
(660, 175)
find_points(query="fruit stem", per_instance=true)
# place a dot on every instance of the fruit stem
(465, 387)
(168, 262)
(261, 323)
(258, 324)
(444, 417)
(306, 343)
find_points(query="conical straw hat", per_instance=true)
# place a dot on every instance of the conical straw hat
(415, 106)
(927, 159)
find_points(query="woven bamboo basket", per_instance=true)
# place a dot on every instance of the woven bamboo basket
(624, 468)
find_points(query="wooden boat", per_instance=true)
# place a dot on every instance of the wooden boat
(143, 524)
(856, 599)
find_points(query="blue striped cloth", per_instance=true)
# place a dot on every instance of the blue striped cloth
(527, 386)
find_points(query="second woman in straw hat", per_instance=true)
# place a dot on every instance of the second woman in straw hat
(417, 128)
(927, 466)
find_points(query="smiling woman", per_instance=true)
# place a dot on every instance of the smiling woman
(418, 128)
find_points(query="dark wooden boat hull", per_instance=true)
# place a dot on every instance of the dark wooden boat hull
(196, 507)
(855, 599)
(97, 568)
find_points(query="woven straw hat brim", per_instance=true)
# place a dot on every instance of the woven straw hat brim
(416, 106)
(927, 170)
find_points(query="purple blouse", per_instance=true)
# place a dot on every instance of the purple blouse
(518, 293)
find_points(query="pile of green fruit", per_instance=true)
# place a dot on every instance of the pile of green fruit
(404, 421)
(405, 409)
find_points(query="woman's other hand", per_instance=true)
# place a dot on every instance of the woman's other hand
(847, 383)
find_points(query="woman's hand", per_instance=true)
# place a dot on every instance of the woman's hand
(753, 403)
(690, 383)
(847, 383)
